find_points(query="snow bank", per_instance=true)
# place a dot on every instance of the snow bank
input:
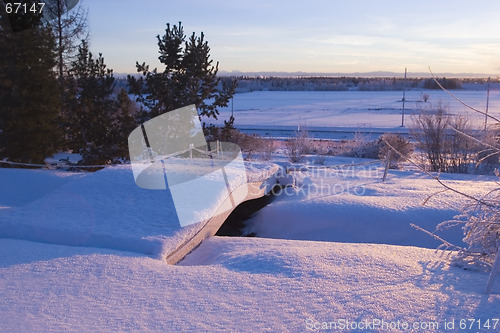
(351, 204)
(19, 187)
(106, 209)
(235, 285)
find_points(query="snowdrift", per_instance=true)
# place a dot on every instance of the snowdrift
(107, 209)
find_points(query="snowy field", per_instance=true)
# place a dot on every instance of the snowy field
(263, 112)
(337, 250)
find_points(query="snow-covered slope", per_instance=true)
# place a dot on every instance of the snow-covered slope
(235, 285)
(106, 209)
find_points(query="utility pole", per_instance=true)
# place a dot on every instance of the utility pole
(404, 99)
(487, 104)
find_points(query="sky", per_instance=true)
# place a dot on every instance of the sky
(335, 36)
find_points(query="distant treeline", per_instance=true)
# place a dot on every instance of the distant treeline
(249, 84)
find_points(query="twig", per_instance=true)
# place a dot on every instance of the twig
(475, 139)
(445, 242)
(433, 194)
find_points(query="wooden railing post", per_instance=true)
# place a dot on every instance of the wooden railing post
(387, 164)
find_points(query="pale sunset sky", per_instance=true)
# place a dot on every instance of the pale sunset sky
(309, 35)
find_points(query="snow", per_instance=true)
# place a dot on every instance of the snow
(85, 251)
(106, 209)
(347, 109)
(233, 285)
(350, 203)
(20, 186)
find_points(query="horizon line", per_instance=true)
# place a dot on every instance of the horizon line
(371, 74)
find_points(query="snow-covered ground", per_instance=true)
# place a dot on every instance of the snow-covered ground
(107, 209)
(335, 253)
(346, 201)
(239, 284)
(357, 110)
(236, 285)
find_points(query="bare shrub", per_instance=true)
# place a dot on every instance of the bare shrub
(266, 149)
(461, 148)
(445, 140)
(250, 145)
(429, 128)
(361, 147)
(403, 148)
(298, 146)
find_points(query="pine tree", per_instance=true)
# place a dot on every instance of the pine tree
(29, 100)
(97, 123)
(189, 77)
(123, 121)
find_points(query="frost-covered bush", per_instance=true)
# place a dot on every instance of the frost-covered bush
(481, 225)
(298, 146)
(402, 146)
(445, 140)
(361, 147)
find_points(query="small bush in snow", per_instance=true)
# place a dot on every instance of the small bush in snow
(361, 147)
(298, 146)
(250, 145)
(402, 146)
(266, 149)
(445, 140)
